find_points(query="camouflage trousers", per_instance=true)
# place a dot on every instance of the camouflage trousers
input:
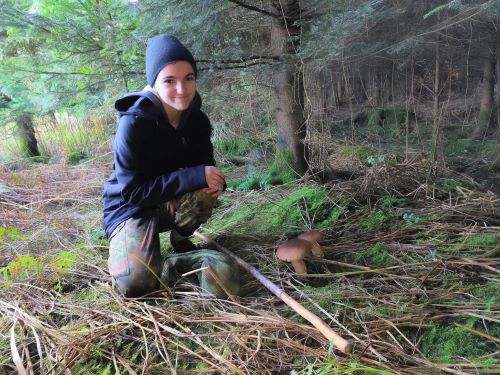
(135, 262)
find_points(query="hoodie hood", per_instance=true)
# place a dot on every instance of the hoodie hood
(145, 103)
(140, 103)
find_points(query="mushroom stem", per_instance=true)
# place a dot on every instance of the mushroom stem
(300, 266)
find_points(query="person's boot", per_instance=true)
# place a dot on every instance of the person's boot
(180, 243)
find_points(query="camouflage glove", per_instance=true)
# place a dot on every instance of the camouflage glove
(223, 266)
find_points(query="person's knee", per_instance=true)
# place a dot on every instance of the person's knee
(195, 210)
(134, 255)
(137, 283)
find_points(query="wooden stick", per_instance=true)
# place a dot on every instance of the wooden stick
(194, 271)
(342, 344)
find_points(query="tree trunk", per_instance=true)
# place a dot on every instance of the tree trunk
(288, 80)
(436, 136)
(485, 116)
(29, 145)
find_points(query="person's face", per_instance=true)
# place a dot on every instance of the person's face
(176, 85)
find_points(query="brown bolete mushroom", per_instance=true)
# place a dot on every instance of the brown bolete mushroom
(314, 236)
(294, 251)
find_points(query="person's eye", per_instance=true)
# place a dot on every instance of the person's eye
(169, 81)
(190, 78)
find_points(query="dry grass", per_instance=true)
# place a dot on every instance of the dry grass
(70, 321)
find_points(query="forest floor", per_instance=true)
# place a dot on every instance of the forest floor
(410, 276)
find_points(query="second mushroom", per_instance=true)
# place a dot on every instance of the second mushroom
(296, 249)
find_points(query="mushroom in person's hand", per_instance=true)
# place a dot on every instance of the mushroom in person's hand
(314, 236)
(294, 251)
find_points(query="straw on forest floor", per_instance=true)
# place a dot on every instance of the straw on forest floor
(57, 319)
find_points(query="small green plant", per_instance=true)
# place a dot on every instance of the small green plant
(10, 234)
(61, 263)
(27, 266)
(411, 218)
(21, 267)
(373, 160)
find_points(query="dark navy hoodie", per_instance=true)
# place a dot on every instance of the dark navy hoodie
(153, 161)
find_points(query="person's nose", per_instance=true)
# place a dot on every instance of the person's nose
(181, 87)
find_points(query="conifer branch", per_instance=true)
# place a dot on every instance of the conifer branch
(267, 13)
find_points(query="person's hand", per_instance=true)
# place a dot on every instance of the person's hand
(215, 181)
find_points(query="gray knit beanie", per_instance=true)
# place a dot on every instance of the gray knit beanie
(162, 50)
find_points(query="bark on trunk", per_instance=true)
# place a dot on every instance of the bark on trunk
(436, 136)
(289, 84)
(29, 145)
(485, 116)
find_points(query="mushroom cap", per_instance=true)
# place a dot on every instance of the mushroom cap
(294, 249)
(312, 235)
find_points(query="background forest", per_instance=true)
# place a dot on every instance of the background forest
(376, 122)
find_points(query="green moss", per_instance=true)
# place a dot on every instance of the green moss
(444, 344)
(95, 362)
(226, 170)
(472, 148)
(235, 146)
(488, 245)
(375, 220)
(254, 180)
(374, 116)
(308, 203)
(391, 201)
(333, 291)
(488, 294)
(388, 121)
(361, 152)
(333, 366)
(75, 156)
(393, 120)
(335, 214)
(42, 159)
(434, 240)
(308, 206)
(449, 185)
(279, 172)
(376, 255)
